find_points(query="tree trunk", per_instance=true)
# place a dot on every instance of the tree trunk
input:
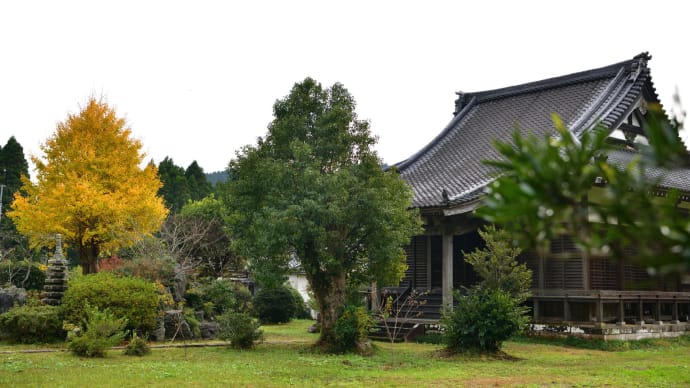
(330, 296)
(89, 258)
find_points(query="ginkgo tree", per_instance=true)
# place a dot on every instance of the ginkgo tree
(91, 187)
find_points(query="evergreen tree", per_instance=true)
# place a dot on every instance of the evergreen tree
(13, 165)
(199, 186)
(175, 190)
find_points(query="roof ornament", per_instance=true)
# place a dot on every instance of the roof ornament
(459, 102)
(638, 65)
(444, 195)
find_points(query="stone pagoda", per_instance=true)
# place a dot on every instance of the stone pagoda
(56, 276)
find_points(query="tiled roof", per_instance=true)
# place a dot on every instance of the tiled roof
(676, 178)
(449, 170)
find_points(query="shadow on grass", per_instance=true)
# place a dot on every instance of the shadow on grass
(476, 355)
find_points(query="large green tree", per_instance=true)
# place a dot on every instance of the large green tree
(564, 185)
(313, 190)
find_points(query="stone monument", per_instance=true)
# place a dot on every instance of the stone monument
(56, 276)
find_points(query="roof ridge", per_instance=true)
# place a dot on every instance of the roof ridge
(558, 81)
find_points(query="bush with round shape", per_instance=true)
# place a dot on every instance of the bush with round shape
(482, 320)
(32, 324)
(274, 305)
(240, 329)
(135, 299)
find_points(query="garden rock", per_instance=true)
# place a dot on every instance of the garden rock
(9, 297)
(176, 326)
(209, 330)
(158, 335)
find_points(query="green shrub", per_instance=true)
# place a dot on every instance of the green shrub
(243, 298)
(219, 296)
(351, 328)
(274, 305)
(192, 322)
(194, 298)
(301, 310)
(134, 299)
(483, 319)
(137, 346)
(15, 273)
(240, 329)
(32, 324)
(101, 331)
(221, 293)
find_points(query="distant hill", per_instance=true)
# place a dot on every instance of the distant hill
(215, 177)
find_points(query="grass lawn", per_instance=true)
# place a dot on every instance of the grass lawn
(286, 359)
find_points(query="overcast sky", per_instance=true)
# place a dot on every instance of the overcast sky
(196, 80)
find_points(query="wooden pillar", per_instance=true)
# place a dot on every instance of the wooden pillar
(657, 315)
(640, 311)
(535, 310)
(566, 310)
(447, 270)
(585, 271)
(674, 312)
(600, 310)
(621, 312)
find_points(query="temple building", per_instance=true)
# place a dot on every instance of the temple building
(448, 179)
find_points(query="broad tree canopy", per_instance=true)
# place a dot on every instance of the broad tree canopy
(314, 189)
(90, 187)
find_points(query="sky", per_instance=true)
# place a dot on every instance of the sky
(196, 80)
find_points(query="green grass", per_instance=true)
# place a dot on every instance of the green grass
(286, 359)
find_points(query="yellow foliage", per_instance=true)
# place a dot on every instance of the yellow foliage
(90, 186)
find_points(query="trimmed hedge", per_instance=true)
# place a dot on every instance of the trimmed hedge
(134, 299)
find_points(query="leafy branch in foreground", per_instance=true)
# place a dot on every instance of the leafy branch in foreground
(567, 185)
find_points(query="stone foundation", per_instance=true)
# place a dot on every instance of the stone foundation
(622, 332)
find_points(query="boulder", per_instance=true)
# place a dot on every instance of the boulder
(209, 330)
(12, 296)
(176, 326)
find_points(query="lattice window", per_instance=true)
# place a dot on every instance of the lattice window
(636, 278)
(603, 274)
(416, 274)
(564, 246)
(563, 273)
